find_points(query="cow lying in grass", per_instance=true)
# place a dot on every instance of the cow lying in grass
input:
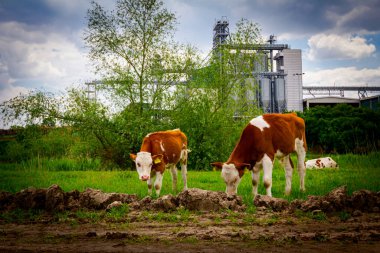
(321, 163)
(161, 150)
(264, 138)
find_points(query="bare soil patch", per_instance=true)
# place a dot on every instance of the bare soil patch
(193, 221)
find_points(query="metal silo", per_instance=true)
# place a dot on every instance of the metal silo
(280, 95)
(265, 94)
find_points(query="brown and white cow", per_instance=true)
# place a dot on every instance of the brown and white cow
(321, 163)
(161, 150)
(264, 138)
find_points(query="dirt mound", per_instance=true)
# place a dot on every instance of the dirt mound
(335, 201)
(192, 199)
(276, 204)
(202, 200)
(55, 199)
(164, 203)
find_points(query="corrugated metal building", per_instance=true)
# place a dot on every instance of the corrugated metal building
(289, 61)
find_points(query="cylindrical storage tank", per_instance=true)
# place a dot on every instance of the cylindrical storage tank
(280, 94)
(265, 94)
(261, 63)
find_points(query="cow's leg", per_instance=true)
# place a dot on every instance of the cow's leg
(150, 182)
(267, 178)
(288, 167)
(255, 179)
(158, 182)
(173, 170)
(184, 174)
(301, 154)
(183, 162)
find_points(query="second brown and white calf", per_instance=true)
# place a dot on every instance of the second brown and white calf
(264, 138)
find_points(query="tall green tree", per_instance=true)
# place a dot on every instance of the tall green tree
(132, 48)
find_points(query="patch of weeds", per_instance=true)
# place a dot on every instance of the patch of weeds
(272, 220)
(244, 236)
(185, 215)
(178, 216)
(232, 216)
(251, 209)
(315, 215)
(218, 220)
(139, 239)
(232, 219)
(320, 216)
(344, 216)
(62, 216)
(74, 223)
(299, 214)
(21, 216)
(249, 218)
(34, 215)
(119, 212)
(176, 230)
(142, 216)
(125, 225)
(263, 239)
(290, 221)
(11, 216)
(190, 239)
(205, 224)
(292, 239)
(162, 217)
(88, 216)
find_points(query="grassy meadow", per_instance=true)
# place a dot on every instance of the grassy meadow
(356, 172)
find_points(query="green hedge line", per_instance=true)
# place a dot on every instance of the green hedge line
(342, 129)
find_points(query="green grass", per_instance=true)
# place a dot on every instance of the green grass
(356, 172)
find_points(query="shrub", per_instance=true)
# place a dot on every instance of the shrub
(342, 129)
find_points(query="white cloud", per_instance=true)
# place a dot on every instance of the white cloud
(37, 58)
(333, 46)
(348, 76)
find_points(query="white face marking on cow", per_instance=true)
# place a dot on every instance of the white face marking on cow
(144, 165)
(231, 177)
(260, 123)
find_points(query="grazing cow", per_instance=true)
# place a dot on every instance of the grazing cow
(320, 163)
(161, 150)
(264, 138)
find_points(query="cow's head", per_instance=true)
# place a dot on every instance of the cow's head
(144, 162)
(231, 174)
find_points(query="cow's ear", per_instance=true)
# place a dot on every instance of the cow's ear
(242, 166)
(217, 165)
(133, 157)
(157, 159)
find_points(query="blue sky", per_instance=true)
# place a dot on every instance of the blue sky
(41, 45)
